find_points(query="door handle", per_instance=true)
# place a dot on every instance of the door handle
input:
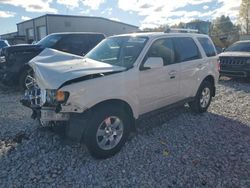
(172, 74)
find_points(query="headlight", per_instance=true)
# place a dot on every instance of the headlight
(62, 96)
(2, 59)
(57, 96)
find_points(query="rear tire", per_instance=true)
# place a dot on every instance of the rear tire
(107, 131)
(203, 98)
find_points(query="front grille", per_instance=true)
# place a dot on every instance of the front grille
(233, 60)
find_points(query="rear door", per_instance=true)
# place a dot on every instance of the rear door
(211, 62)
(190, 60)
(159, 87)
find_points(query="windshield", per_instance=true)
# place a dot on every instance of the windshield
(239, 47)
(120, 51)
(3, 44)
(49, 41)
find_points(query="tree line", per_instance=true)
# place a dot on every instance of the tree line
(222, 30)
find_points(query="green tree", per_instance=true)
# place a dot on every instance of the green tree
(161, 28)
(181, 25)
(244, 15)
(222, 28)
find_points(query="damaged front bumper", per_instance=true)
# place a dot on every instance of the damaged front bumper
(49, 114)
(35, 99)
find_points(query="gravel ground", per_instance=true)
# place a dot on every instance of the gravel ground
(172, 149)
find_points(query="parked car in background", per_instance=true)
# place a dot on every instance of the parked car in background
(14, 59)
(123, 78)
(235, 60)
(3, 43)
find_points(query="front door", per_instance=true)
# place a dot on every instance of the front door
(159, 87)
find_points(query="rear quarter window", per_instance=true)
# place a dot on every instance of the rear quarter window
(207, 46)
(186, 49)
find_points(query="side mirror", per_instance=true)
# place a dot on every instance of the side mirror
(153, 62)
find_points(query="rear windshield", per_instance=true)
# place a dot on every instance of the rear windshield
(239, 47)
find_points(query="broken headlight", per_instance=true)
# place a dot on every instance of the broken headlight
(56, 96)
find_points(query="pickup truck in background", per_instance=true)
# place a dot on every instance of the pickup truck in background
(14, 68)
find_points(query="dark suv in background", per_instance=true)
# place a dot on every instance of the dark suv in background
(14, 69)
(3, 43)
(235, 60)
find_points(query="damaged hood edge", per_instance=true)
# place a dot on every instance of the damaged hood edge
(53, 68)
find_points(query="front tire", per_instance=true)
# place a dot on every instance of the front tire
(203, 98)
(26, 78)
(107, 131)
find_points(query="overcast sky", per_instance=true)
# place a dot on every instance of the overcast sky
(142, 13)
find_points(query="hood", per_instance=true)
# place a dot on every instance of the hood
(22, 48)
(235, 54)
(53, 68)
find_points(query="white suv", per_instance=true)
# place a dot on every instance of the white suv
(101, 95)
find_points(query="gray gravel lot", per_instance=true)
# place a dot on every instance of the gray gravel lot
(172, 149)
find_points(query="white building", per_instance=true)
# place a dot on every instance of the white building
(37, 28)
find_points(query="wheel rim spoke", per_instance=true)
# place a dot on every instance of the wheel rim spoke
(205, 97)
(108, 121)
(119, 132)
(112, 143)
(101, 132)
(103, 142)
(109, 133)
(29, 80)
(116, 124)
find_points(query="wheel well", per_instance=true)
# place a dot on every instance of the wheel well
(120, 104)
(211, 80)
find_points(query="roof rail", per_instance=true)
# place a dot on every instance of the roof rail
(180, 30)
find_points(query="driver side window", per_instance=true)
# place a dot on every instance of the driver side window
(163, 48)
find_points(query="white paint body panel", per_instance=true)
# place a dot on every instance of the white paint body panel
(53, 68)
(145, 90)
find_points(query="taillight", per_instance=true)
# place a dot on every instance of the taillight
(218, 65)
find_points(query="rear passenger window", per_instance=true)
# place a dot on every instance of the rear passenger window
(163, 48)
(186, 49)
(207, 46)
